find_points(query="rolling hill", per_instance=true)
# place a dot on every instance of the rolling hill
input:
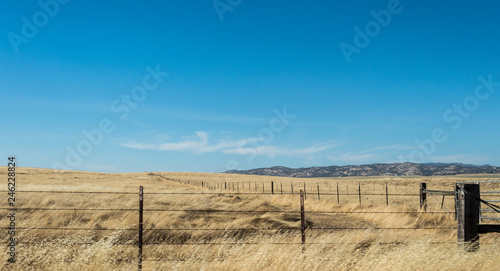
(394, 169)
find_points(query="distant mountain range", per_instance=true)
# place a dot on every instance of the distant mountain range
(395, 169)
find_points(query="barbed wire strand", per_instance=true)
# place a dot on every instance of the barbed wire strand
(66, 209)
(71, 192)
(198, 193)
(216, 211)
(226, 230)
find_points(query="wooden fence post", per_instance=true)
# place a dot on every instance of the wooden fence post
(318, 191)
(291, 184)
(281, 184)
(468, 216)
(359, 192)
(141, 205)
(386, 195)
(468, 208)
(456, 201)
(423, 196)
(305, 191)
(272, 188)
(338, 194)
(302, 218)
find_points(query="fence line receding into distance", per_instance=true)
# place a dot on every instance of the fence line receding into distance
(142, 227)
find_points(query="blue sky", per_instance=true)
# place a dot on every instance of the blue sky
(206, 86)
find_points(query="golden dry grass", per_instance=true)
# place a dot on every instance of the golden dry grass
(229, 240)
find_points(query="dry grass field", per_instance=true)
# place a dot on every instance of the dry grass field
(189, 227)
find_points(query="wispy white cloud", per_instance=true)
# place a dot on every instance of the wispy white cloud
(272, 151)
(31, 102)
(460, 158)
(246, 146)
(161, 112)
(378, 154)
(196, 144)
(390, 147)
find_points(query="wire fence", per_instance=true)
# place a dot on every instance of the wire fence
(373, 193)
(143, 227)
(489, 204)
